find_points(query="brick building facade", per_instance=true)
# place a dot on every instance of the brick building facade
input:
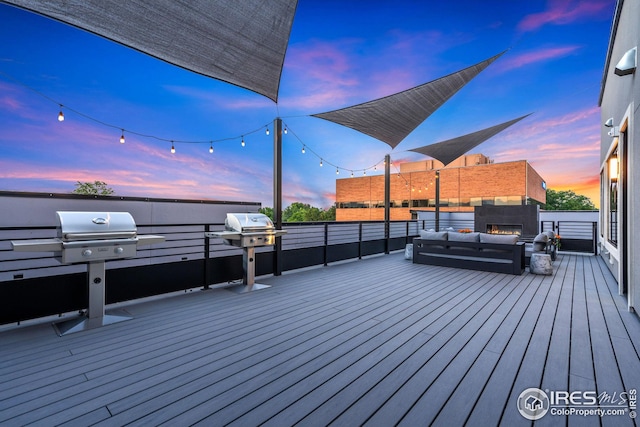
(472, 180)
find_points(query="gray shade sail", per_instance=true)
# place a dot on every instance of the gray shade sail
(239, 42)
(449, 150)
(392, 118)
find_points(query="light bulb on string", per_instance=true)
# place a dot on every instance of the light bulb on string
(122, 137)
(364, 172)
(267, 131)
(285, 130)
(61, 115)
(303, 150)
(351, 174)
(320, 162)
(173, 148)
(211, 147)
(242, 143)
(337, 171)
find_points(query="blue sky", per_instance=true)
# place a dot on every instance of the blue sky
(340, 54)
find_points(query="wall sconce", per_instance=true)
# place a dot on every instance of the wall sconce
(627, 65)
(614, 132)
(609, 122)
(613, 169)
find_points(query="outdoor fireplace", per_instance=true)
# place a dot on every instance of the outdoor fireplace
(521, 220)
(504, 229)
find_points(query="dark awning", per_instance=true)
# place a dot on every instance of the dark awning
(449, 150)
(392, 118)
(239, 42)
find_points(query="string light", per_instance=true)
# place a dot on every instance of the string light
(173, 148)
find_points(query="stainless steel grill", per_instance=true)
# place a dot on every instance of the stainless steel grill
(248, 231)
(91, 238)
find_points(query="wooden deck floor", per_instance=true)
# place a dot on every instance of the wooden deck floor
(376, 342)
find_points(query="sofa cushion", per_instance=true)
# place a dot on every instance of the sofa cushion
(502, 239)
(454, 236)
(433, 235)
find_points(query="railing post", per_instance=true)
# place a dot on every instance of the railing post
(360, 240)
(406, 234)
(207, 264)
(326, 243)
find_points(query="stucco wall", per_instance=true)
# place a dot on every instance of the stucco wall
(620, 99)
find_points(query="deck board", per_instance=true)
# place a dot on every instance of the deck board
(379, 341)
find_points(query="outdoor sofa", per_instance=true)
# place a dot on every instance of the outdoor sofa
(475, 251)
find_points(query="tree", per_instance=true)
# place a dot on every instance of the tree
(329, 214)
(302, 212)
(267, 211)
(568, 201)
(96, 188)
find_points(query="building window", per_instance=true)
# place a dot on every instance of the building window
(508, 200)
(612, 202)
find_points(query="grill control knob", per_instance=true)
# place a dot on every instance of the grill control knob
(119, 250)
(86, 252)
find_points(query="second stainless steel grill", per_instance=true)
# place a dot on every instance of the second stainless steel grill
(248, 231)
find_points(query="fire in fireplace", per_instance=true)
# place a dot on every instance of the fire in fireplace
(504, 229)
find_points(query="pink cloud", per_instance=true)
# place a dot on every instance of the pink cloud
(562, 12)
(512, 62)
(322, 63)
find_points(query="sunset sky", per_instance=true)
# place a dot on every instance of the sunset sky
(340, 53)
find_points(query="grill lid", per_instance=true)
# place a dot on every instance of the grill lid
(248, 222)
(76, 226)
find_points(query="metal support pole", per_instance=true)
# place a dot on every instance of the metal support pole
(95, 285)
(437, 200)
(95, 316)
(248, 273)
(387, 201)
(249, 266)
(277, 193)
